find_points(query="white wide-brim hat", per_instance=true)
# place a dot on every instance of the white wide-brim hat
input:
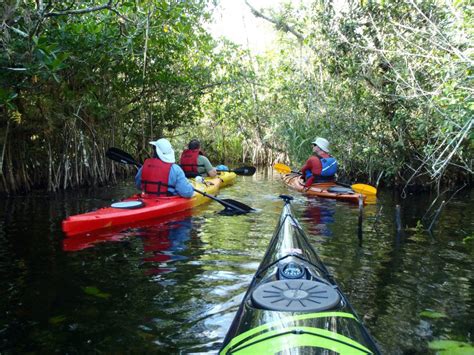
(164, 150)
(322, 143)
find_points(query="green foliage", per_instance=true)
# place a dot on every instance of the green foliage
(451, 347)
(385, 82)
(57, 320)
(432, 314)
(418, 230)
(81, 81)
(94, 291)
(468, 240)
(388, 83)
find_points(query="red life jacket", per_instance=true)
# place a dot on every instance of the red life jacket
(155, 175)
(189, 161)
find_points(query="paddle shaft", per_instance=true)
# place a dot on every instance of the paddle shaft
(244, 170)
(223, 203)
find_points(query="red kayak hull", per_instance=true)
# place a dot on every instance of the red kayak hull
(154, 207)
(117, 233)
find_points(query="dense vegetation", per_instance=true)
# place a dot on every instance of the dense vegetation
(389, 83)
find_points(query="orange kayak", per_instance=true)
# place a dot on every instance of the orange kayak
(323, 189)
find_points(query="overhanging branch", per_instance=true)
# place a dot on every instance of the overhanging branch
(107, 6)
(279, 24)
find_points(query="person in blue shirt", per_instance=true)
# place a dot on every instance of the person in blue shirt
(160, 176)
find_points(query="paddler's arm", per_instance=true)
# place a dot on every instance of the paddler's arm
(138, 179)
(210, 170)
(309, 182)
(177, 179)
(306, 166)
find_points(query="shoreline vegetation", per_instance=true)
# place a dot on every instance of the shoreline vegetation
(388, 83)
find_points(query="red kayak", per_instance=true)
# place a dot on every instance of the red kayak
(137, 208)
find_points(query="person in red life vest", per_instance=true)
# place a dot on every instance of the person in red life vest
(194, 162)
(320, 167)
(160, 176)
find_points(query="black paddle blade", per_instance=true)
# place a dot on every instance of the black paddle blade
(235, 207)
(245, 170)
(240, 206)
(120, 156)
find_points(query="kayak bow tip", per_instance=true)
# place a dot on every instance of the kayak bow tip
(286, 198)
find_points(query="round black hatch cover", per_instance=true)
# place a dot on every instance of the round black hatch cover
(295, 296)
(127, 204)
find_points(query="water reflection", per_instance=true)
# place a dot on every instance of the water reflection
(319, 214)
(163, 240)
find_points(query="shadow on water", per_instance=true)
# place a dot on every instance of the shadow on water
(174, 284)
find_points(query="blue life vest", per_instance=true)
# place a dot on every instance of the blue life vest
(222, 168)
(329, 166)
(329, 169)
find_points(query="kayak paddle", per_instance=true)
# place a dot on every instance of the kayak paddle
(284, 169)
(359, 188)
(244, 170)
(120, 156)
(123, 157)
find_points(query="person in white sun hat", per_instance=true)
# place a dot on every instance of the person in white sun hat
(160, 176)
(320, 166)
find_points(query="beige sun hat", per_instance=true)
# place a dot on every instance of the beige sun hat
(164, 150)
(322, 143)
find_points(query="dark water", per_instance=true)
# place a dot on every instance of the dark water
(174, 285)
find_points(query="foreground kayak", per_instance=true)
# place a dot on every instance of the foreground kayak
(293, 305)
(323, 189)
(137, 208)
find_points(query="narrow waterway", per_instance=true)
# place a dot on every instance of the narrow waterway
(174, 285)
